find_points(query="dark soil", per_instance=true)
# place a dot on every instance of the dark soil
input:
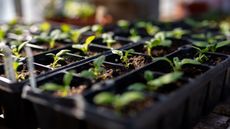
(137, 61)
(213, 60)
(167, 89)
(192, 71)
(73, 91)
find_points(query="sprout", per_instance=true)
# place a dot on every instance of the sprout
(85, 46)
(177, 64)
(96, 70)
(57, 57)
(124, 24)
(108, 39)
(153, 84)
(118, 102)
(158, 40)
(63, 89)
(16, 47)
(45, 27)
(123, 56)
(134, 35)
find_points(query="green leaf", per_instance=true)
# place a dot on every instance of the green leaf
(16, 65)
(99, 61)
(189, 61)
(51, 87)
(137, 87)
(163, 80)
(223, 43)
(124, 24)
(89, 40)
(65, 28)
(62, 52)
(160, 36)
(104, 98)
(50, 54)
(78, 46)
(148, 75)
(127, 98)
(117, 52)
(88, 74)
(45, 27)
(21, 46)
(68, 78)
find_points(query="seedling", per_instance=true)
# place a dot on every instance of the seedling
(123, 56)
(134, 35)
(149, 27)
(97, 69)
(118, 102)
(108, 39)
(176, 63)
(97, 29)
(45, 27)
(16, 48)
(3, 30)
(153, 84)
(200, 55)
(176, 33)
(57, 57)
(85, 46)
(62, 89)
(73, 34)
(123, 24)
(158, 40)
(212, 46)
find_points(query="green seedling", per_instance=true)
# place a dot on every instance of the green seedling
(63, 89)
(97, 29)
(73, 34)
(176, 63)
(123, 56)
(85, 46)
(45, 27)
(200, 55)
(153, 84)
(123, 24)
(96, 70)
(211, 46)
(17, 47)
(158, 40)
(118, 102)
(134, 35)
(57, 57)
(149, 27)
(108, 39)
(176, 33)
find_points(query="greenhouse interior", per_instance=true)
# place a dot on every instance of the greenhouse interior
(114, 64)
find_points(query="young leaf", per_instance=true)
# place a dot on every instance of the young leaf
(124, 24)
(68, 78)
(99, 61)
(127, 98)
(45, 27)
(88, 74)
(104, 98)
(163, 80)
(84, 47)
(65, 28)
(222, 44)
(62, 52)
(51, 87)
(137, 87)
(148, 75)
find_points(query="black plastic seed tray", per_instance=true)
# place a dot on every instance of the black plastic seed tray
(181, 109)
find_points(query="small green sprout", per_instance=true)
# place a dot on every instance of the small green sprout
(153, 84)
(176, 33)
(123, 24)
(158, 40)
(57, 57)
(211, 46)
(63, 89)
(16, 47)
(149, 27)
(3, 30)
(123, 56)
(134, 35)
(225, 28)
(176, 63)
(75, 34)
(97, 29)
(96, 70)
(85, 46)
(45, 27)
(108, 39)
(118, 102)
